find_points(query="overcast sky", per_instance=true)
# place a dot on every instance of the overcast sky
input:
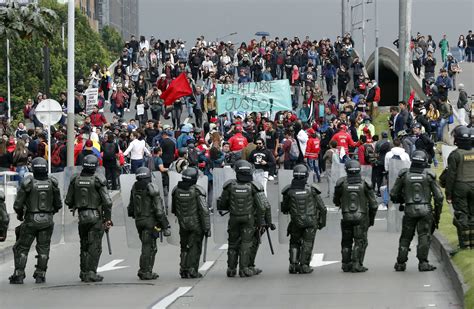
(187, 19)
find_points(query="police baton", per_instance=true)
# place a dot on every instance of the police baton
(270, 241)
(108, 241)
(204, 255)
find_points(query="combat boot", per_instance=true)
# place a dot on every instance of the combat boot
(347, 267)
(357, 268)
(231, 272)
(255, 270)
(39, 277)
(294, 268)
(294, 264)
(17, 277)
(425, 266)
(245, 272)
(184, 274)
(400, 266)
(306, 269)
(148, 276)
(92, 277)
(194, 274)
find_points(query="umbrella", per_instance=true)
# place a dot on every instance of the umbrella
(262, 33)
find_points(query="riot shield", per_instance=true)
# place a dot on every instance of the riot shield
(58, 232)
(366, 173)
(259, 176)
(127, 181)
(337, 171)
(445, 151)
(174, 178)
(219, 177)
(394, 216)
(284, 179)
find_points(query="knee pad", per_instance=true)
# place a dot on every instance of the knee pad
(42, 262)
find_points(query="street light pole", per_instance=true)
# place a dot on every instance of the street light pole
(70, 83)
(8, 81)
(363, 30)
(376, 58)
(404, 48)
(344, 15)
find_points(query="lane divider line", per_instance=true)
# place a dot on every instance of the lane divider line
(171, 298)
(224, 247)
(206, 266)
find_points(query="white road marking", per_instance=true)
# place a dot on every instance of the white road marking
(111, 266)
(168, 300)
(317, 260)
(427, 285)
(206, 265)
(224, 247)
(380, 219)
(186, 120)
(431, 305)
(333, 209)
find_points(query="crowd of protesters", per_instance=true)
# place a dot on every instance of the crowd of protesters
(334, 103)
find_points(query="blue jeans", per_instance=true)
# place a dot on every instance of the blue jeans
(442, 123)
(134, 165)
(314, 166)
(21, 170)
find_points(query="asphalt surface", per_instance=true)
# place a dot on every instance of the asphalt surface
(326, 287)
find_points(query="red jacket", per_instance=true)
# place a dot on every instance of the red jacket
(344, 139)
(237, 142)
(97, 119)
(312, 148)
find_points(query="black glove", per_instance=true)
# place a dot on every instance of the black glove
(207, 233)
(19, 217)
(401, 207)
(272, 226)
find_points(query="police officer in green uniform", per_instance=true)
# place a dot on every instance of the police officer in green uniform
(258, 232)
(4, 218)
(189, 204)
(413, 190)
(460, 186)
(37, 200)
(150, 219)
(356, 199)
(308, 214)
(88, 195)
(245, 200)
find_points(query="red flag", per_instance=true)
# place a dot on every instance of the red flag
(178, 88)
(411, 99)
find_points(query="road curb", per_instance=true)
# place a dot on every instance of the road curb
(441, 248)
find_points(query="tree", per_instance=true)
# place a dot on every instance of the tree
(112, 40)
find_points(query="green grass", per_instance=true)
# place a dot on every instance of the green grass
(380, 123)
(464, 260)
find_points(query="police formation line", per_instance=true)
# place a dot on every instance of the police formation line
(39, 198)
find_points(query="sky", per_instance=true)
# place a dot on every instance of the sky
(188, 19)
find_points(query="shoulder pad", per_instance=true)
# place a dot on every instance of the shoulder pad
(73, 178)
(153, 189)
(286, 189)
(27, 181)
(201, 190)
(340, 181)
(54, 181)
(257, 186)
(228, 183)
(101, 179)
(431, 174)
(314, 187)
(368, 185)
(402, 172)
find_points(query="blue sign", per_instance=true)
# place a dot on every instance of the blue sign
(263, 96)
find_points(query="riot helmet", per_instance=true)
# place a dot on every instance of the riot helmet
(300, 171)
(243, 171)
(352, 167)
(143, 173)
(419, 159)
(190, 175)
(39, 166)
(89, 164)
(462, 137)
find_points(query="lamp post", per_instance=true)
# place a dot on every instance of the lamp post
(70, 83)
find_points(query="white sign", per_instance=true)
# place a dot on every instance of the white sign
(49, 112)
(92, 99)
(140, 109)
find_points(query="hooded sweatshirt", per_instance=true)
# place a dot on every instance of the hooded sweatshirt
(396, 151)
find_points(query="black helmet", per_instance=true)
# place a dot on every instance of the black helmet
(300, 171)
(90, 163)
(143, 173)
(419, 158)
(472, 135)
(462, 137)
(352, 167)
(190, 174)
(182, 151)
(39, 166)
(243, 171)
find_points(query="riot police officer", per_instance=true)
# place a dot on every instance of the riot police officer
(37, 200)
(146, 208)
(308, 214)
(88, 194)
(4, 218)
(460, 186)
(189, 204)
(356, 199)
(245, 200)
(413, 189)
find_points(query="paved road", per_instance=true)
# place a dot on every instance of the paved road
(327, 287)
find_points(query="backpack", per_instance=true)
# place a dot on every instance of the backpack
(109, 151)
(55, 157)
(294, 150)
(369, 154)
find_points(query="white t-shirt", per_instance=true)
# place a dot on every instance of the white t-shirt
(137, 149)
